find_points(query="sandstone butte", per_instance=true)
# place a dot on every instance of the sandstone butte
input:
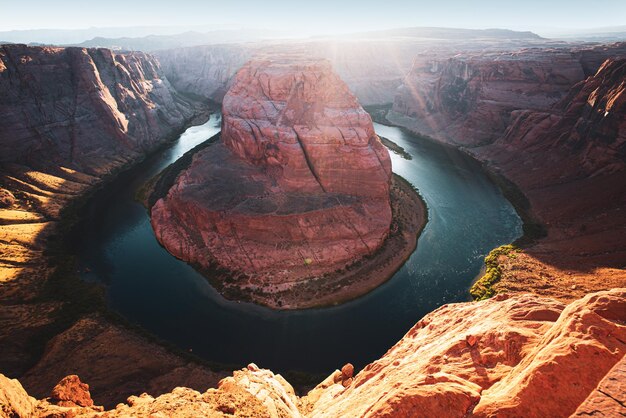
(509, 356)
(296, 190)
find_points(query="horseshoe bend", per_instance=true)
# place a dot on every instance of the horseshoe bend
(295, 203)
(200, 224)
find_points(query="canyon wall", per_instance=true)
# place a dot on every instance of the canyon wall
(467, 99)
(510, 356)
(71, 116)
(372, 70)
(204, 71)
(570, 161)
(553, 123)
(372, 67)
(85, 109)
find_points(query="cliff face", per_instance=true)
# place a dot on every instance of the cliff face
(553, 123)
(298, 186)
(571, 163)
(468, 100)
(509, 356)
(69, 117)
(85, 109)
(372, 70)
(205, 71)
(300, 123)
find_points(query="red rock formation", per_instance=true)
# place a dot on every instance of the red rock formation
(557, 135)
(571, 163)
(509, 356)
(88, 109)
(531, 357)
(300, 123)
(70, 116)
(70, 391)
(298, 187)
(468, 99)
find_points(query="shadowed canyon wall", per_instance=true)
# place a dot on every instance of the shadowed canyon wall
(70, 117)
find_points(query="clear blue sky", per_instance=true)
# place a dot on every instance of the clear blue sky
(313, 15)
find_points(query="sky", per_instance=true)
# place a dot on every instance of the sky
(313, 16)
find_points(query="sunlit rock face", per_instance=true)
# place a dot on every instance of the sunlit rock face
(468, 99)
(88, 109)
(298, 186)
(510, 356)
(301, 124)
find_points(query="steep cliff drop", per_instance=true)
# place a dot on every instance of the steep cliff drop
(70, 117)
(294, 196)
(510, 356)
(573, 172)
(553, 123)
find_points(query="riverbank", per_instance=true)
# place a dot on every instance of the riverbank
(409, 216)
(546, 262)
(44, 303)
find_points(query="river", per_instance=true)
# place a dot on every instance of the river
(115, 245)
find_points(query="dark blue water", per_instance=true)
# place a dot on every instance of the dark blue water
(468, 216)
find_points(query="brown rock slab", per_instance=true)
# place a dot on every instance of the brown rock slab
(70, 391)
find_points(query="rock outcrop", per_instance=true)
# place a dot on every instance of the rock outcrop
(70, 391)
(116, 363)
(297, 188)
(509, 356)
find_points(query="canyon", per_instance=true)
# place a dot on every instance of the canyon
(295, 193)
(570, 132)
(72, 117)
(549, 343)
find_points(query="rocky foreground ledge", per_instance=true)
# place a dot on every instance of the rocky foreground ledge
(296, 200)
(509, 356)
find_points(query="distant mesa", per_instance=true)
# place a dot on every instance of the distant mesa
(294, 195)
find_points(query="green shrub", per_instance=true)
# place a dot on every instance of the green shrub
(483, 288)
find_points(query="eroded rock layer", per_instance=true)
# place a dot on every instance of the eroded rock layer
(70, 116)
(298, 187)
(556, 129)
(509, 356)
(468, 99)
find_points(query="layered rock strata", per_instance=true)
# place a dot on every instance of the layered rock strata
(70, 117)
(509, 356)
(297, 189)
(570, 161)
(553, 123)
(468, 99)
